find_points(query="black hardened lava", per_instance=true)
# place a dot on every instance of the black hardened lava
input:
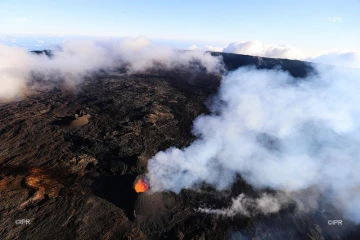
(77, 182)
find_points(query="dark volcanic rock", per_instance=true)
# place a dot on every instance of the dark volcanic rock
(46, 52)
(298, 69)
(76, 182)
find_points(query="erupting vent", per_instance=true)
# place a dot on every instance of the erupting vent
(141, 186)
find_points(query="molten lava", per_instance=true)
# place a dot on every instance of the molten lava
(141, 186)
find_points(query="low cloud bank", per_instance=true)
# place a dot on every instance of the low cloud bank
(343, 59)
(257, 48)
(76, 59)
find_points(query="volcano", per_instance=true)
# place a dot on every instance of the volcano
(73, 175)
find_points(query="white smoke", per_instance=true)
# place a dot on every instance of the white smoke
(75, 59)
(246, 206)
(277, 132)
(268, 203)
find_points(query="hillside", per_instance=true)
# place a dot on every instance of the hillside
(69, 159)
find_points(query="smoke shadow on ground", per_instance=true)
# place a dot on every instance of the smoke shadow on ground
(117, 190)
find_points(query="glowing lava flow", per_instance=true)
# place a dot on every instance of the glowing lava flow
(141, 186)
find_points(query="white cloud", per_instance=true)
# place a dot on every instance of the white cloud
(193, 47)
(214, 49)
(257, 48)
(14, 71)
(345, 59)
(79, 58)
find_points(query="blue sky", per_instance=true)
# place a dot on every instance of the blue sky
(307, 25)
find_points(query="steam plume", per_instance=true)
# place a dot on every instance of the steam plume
(278, 132)
(246, 206)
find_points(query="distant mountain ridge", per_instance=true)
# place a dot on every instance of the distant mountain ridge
(232, 61)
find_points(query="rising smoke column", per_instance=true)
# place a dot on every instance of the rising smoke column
(277, 132)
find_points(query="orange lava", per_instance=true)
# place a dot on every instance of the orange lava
(141, 186)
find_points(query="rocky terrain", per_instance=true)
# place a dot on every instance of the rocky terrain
(69, 158)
